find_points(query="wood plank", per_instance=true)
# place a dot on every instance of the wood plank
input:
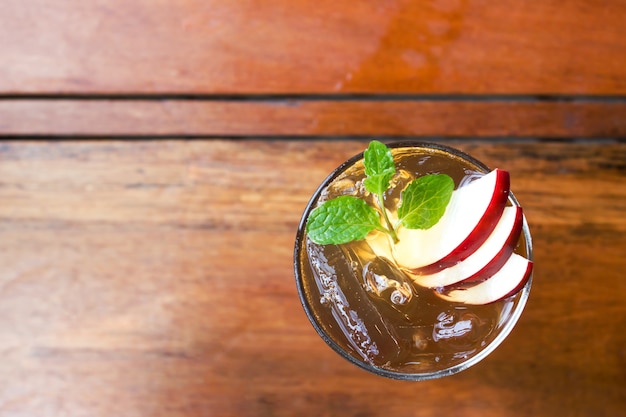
(299, 117)
(436, 46)
(154, 278)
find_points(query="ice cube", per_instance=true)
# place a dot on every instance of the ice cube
(343, 186)
(388, 287)
(421, 339)
(450, 326)
(461, 330)
(398, 183)
(356, 316)
(379, 280)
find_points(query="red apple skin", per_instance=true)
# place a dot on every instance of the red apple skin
(525, 277)
(522, 283)
(482, 230)
(500, 259)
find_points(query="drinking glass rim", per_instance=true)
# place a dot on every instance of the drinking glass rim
(414, 376)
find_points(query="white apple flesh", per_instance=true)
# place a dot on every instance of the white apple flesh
(487, 259)
(469, 219)
(506, 281)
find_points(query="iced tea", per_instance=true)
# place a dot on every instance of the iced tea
(372, 310)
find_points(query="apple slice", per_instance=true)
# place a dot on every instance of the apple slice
(506, 281)
(487, 259)
(470, 217)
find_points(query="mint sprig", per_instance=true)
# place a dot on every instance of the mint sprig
(379, 167)
(379, 170)
(347, 218)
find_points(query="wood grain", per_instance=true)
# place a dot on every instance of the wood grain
(301, 117)
(303, 46)
(154, 278)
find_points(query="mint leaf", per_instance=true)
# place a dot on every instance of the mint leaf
(342, 220)
(424, 201)
(379, 167)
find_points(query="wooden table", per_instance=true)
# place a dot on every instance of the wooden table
(156, 157)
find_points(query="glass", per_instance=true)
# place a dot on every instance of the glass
(348, 297)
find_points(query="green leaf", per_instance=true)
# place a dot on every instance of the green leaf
(424, 201)
(342, 220)
(379, 167)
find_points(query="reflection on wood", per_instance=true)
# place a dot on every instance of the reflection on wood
(435, 46)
